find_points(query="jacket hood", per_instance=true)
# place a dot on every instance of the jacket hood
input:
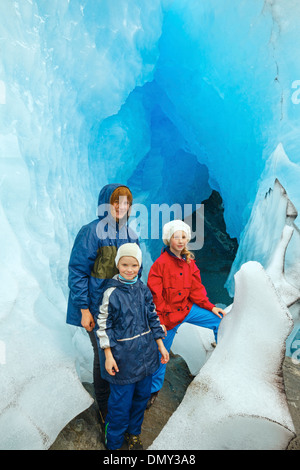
(104, 201)
(106, 192)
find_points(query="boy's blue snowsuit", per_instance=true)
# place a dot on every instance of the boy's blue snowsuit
(128, 323)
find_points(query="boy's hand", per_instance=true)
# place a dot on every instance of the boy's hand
(217, 311)
(110, 364)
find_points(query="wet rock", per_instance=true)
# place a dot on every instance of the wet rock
(177, 380)
(291, 375)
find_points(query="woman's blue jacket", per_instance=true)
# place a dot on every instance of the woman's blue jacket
(92, 259)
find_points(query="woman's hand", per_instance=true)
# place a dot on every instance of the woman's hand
(217, 311)
(87, 319)
(110, 364)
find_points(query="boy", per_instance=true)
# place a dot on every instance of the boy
(128, 328)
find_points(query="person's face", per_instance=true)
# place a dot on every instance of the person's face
(120, 207)
(178, 241)
(128, 267)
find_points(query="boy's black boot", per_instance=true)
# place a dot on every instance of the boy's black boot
(134, 442)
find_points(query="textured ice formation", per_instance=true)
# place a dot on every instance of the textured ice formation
(237, 401)
(175, 98)
(40, 389)
(64, 66)
(194, 344)
(287, 291)
(274, 216)
(274, 207)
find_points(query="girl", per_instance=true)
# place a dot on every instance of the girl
(178, 292)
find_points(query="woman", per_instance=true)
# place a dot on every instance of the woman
(92, 262)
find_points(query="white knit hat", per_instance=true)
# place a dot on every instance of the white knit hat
(129, 249)
(171, 227)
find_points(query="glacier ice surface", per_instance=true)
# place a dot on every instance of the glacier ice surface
(92, 92)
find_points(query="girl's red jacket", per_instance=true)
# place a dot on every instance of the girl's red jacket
(176, 286)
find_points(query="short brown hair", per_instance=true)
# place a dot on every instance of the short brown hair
(121, 191)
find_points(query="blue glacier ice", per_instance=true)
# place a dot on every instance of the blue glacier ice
(175, 98)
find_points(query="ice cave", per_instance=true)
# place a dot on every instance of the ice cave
(180, 100)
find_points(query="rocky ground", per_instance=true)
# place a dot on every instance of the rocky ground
(291, 375)
(84, 431)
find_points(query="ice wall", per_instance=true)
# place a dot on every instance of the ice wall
(271, 212)
(60, 73)
(233, 105)
(213, 104)
(175, 98)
